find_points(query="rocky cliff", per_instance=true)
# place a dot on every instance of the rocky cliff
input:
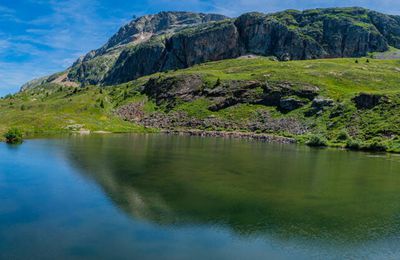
(175, 40)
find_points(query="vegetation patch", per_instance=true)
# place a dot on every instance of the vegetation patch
(13, 136)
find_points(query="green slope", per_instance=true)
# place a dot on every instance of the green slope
(50, 109)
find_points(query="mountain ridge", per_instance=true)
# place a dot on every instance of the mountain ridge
(176, 40)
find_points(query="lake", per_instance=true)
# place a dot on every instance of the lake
(174, 197)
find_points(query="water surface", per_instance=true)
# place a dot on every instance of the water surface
(171, 197)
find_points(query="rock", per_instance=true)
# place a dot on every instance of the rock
(105, 65)
(321, 103)
(169, 90)
(290, 104)
(174, 40)
(131, 112)
(367, 101)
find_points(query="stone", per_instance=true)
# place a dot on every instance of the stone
(368, 101)
(321, 103)
(175, 40)
(290, 104)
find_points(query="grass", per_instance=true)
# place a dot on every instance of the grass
(50, 108)
(55, 110)
(337, 78)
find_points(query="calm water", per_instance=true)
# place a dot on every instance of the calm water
(169, 197)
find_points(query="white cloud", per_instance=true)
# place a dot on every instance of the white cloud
(51, 42)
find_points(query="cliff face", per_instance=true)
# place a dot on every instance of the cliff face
(175, 40)
(134, 43)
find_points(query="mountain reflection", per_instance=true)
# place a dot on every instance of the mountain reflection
(252, 188)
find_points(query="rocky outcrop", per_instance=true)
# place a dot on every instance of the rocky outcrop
(261, 122)
(368, 101)
(290, 104)
(325, 33)
(175, 40)
(318, 105)
(168, 91)
(119, 60)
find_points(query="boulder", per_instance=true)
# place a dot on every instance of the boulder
(290, 104)
(368, 101)
(322, 103)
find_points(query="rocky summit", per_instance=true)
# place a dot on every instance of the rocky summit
(176, 40)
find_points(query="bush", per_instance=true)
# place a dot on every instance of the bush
(343, 136)
(317, 141)
(376, 146)
(353, 144)
(218, 83)
(13, 136)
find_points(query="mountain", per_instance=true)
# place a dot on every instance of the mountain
(176, 40)
(148, 77)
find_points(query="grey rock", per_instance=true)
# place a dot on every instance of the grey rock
(290, 104)
(174, 40)
(170, 90)
(321, 102)
(368, 101)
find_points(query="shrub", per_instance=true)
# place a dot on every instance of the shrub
(13, 136)
(376, 146)
(317, 141)
(218, 83)
(353, 144)
(343, 136)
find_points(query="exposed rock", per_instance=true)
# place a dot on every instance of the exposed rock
(318, 105)
(34, 83)
(107, 64)
(290, 104)
(168, 91)
(368, 101)
(131, 112)
(173, 40)
(262, 121)
(321, 103)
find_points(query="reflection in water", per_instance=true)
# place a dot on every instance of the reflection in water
(252, 188)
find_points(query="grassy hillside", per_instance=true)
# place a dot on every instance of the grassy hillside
(338, 78)
(51, 108)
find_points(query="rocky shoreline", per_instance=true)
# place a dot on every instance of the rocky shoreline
(237, 135)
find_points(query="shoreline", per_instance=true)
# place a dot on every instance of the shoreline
(235, 135)
(268, 138)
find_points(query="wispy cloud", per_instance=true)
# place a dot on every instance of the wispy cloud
(51, 41)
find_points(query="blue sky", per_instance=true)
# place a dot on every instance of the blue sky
(40, 37)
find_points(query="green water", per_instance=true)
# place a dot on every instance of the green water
(170, 197)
